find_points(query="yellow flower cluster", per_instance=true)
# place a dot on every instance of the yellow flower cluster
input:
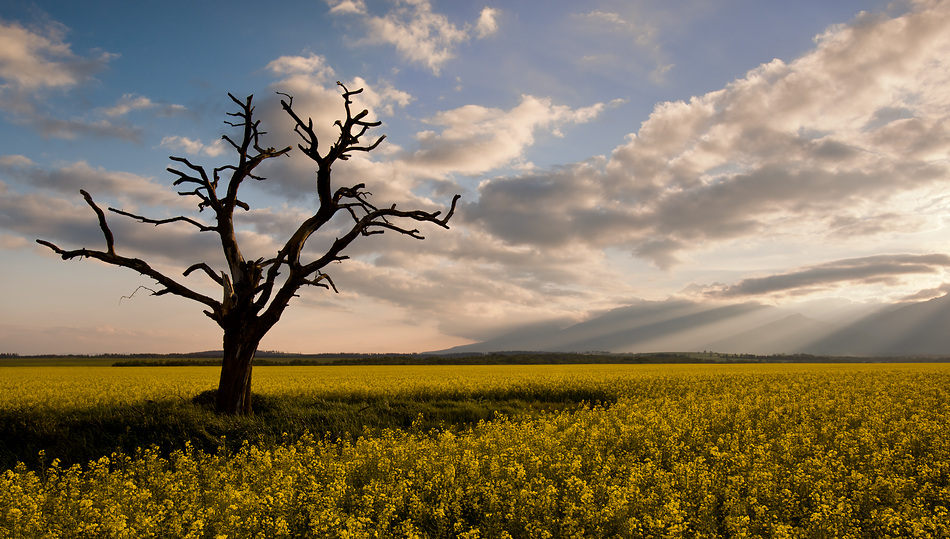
(847, 452)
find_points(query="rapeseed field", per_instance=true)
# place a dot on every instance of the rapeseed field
(816, 451)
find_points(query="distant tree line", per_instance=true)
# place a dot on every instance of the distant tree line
(273, 358)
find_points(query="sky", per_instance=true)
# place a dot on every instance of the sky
(606, 152)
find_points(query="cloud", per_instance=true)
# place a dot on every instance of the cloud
(15, 161)
(487, 23)
(194, 147)
(73, 128)
(474, 139)
(853, 271)
(643, 36)
(70, 223)
(37, 64)
(842, 143)
(310, 80)
(10, 242)
(317, 96)
(798, 152)
(487, 287)
(128, 103)
(930, 293)
(418, 34)
(347, 6)
(132, 102)
(313, 66)
(36, 59)
(67, 180)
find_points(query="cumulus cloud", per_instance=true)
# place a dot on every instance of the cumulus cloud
(487, 23)
(70, 178)
(194, 147)
(420, 35)
(38, 64)
(842, 143)
(132, 102)
(347, 6)
(878, 269)
(70, 223)
(474, 139)
(313, 68)
(309, 79)
(15, 161)
(36, 59)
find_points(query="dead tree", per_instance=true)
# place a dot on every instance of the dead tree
(253, 298)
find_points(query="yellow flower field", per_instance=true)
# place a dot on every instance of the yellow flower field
(676, 451)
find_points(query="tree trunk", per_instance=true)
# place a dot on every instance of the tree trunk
(234, 387)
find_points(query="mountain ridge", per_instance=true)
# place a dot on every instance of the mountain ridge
(907, 329)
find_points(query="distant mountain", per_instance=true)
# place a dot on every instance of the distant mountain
(750, 328)
(646, 326)
(909, 330)
(790, 335)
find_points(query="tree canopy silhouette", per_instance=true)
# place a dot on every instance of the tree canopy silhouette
(253, 297)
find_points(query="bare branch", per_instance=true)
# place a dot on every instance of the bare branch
(171, 286)
(317, 281)
(207, 269)
(65, 254)
(154, 293)
(110, 240)
(304, 131)
(181, 218)
(209, 197)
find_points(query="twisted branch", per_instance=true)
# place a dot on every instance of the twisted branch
(181, 218)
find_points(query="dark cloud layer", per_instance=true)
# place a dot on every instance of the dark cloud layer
(868, 270)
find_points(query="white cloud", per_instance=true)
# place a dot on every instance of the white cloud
(194, 147)
(313, 66)
(347, 6)
(607, 17)
(419, 35)
(37, 63)
(309, 77)
(487, 23)
(132, 102)
(315, 97)
(33, 61)
(475, 139)
(37, 59)
(382, 97)
(127, 104)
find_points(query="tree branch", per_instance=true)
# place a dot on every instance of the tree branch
(170, 285)
(110, 240)
(110, 257)
(317, 281)
(205, 268)
(156, 222)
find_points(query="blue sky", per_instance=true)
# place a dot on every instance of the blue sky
(792, 153)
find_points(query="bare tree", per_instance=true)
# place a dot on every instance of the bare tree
(253, 298)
